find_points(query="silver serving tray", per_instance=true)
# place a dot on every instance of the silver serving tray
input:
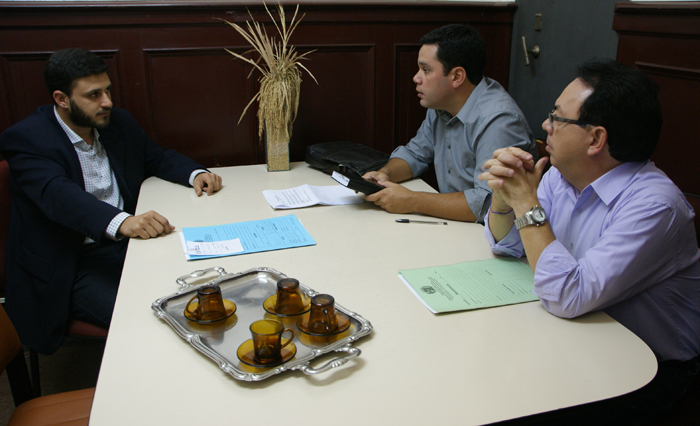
(248, 290)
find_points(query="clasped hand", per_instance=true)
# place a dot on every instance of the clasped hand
(513, 176)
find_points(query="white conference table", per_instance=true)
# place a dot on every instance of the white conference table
(467, 368)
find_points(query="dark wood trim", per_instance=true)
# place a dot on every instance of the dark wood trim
(669, 18)
(674, 72)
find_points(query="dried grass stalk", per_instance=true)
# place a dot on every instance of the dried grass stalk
(280, 81)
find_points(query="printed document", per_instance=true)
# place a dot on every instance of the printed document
(244, 237)
(307, 195)
(471, 285)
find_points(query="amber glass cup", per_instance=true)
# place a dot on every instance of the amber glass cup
(322, 317)
(210, 306)
(267, 340)
(289, 301)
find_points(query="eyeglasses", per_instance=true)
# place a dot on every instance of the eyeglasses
(553, 118)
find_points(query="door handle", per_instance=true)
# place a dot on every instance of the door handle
(535, 52)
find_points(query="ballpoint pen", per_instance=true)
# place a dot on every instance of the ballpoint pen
(420, 221)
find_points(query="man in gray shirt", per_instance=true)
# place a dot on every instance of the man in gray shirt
(469, 116)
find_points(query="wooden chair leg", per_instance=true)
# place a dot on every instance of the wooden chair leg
(18, 376)
(34, 368)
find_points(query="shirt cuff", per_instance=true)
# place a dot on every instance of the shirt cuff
(194, 175)
(510, 245)
(114, 225)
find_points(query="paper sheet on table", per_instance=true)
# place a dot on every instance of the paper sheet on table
(254, 236)
(471, 285)
(223, 248)
(308, 195)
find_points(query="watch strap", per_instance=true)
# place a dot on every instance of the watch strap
(524, 220)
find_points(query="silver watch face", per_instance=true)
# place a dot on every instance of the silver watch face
(538, 215)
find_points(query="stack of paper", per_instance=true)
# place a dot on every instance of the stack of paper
(307, 195)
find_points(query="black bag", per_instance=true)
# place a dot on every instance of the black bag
(358, 158)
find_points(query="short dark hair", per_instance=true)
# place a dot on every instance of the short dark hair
(626, 102)
(66, 66)
(459, 45)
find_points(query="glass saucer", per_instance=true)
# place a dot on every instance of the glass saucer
(343, 324)
(270, 303)
(246, 353)
(230, 310)
(213, 328)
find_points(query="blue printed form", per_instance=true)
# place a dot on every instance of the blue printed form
(255, 236)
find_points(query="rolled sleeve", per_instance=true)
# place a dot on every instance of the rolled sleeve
(417, 163)
(510, 245)
(479, 201)
(419, 153)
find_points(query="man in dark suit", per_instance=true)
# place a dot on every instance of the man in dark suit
(76, 170)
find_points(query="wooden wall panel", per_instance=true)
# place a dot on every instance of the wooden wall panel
(20, 70)
(341, 106)
(24, 82)
(679, 146)
(169, 68)
(663, 40)
(189, 112)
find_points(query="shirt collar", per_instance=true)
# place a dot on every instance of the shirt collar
(611, 184)
(74, 138)
(468, 105)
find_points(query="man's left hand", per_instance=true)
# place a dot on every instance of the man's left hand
(206, 182)
(394, 198)
(515, 176)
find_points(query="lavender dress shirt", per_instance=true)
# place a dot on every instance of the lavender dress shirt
(626, 245)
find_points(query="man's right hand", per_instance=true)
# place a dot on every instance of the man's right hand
(147, 225)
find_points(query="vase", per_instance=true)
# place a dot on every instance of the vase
(277, 152)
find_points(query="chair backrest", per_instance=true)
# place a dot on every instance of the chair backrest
(5, 205)
(694, 201)
(542, 152)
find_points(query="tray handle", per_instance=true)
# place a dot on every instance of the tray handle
(182, 281)
(351, 353)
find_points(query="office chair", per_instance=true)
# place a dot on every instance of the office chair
(68, 408)
(4, 221)
(694, 201)
(542, 152)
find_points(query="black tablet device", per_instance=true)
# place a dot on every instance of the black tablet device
(356, 182)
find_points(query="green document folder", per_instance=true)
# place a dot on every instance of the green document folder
(471, 285)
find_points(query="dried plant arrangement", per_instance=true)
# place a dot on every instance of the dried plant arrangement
(280, 83)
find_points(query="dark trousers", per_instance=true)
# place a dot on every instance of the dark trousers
(97, 281)
(646, 406)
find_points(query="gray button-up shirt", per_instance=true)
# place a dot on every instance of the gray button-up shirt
(459, 145)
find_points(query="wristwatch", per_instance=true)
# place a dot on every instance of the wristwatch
(535, 216)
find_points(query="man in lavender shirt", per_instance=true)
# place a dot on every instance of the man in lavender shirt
(604, 228)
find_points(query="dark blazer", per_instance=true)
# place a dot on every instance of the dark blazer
(52, 213)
